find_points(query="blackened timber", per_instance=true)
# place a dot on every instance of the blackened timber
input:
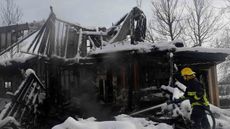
(136, 75)
(13, 45)
(57, 41)
(109, 85)
(43, 42)
(38, 39)
(62, 40)
(39, 33)
(130, 85)
(66, 41)
(51, 37)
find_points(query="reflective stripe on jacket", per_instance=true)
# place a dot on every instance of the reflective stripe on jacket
(196, 94)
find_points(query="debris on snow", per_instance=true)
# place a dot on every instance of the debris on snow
(127, 122)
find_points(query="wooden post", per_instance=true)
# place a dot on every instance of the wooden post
(3, 41)
(67, 40)
(109, 85)
(213, 87)
(79, 43)
(136, 75)
(130, 86)
(57, 40)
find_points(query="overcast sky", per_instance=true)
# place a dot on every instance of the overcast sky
(85, 12)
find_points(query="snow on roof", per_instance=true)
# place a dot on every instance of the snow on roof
(204, 50)
(146, 47)
(16, 53)
(142, 47)
(121, 46)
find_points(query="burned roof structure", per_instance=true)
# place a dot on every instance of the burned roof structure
(64, 40)
(67, 41)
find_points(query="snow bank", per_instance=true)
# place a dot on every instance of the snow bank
(222, 117)
(142, 123)
(127, 122)
(121, 122)
(71, 123)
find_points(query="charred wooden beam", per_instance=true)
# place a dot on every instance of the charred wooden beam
(24, 101)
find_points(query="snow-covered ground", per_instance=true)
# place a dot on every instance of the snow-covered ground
(121, 122)
(127, 122)
(222, 117)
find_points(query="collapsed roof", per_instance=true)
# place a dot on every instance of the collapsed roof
(74, 43)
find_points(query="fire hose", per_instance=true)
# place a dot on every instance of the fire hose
(166, 103)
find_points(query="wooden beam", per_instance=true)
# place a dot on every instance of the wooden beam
(136, 75)
(67, 40)
(213, 87)
(20, 41)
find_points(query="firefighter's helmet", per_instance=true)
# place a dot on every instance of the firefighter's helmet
(187, 71)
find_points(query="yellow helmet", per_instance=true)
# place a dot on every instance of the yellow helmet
(187, 71)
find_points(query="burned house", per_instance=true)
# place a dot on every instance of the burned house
(90, 70)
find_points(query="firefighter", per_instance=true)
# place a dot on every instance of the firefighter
(196, 94)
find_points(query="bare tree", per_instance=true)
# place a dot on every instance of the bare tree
(223, 41)
(139, 3)
(202, 22)
(167, 18)
(150, 34)
(10, 13)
